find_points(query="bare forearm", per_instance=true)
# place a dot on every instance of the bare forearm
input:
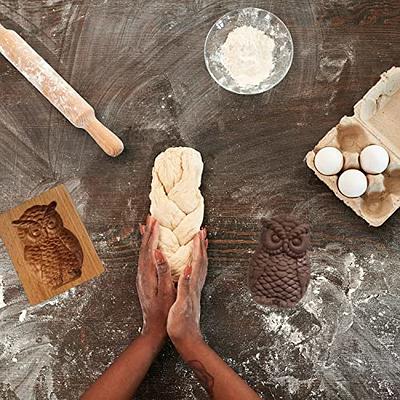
(122, 379)
(217, 378)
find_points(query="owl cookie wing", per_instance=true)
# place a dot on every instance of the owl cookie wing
(257, 266)
(70, 241)
(33, 256)
(303, 273)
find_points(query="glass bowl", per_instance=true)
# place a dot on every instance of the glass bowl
(260, 19)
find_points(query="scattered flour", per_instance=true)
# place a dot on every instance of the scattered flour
(247, 54)
(356, 273)
(2, 303)
(22, 316)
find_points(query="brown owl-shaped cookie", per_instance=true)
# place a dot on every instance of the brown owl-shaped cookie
(52, 251)
(280, 270)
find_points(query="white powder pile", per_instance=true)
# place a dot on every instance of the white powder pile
(247, 54)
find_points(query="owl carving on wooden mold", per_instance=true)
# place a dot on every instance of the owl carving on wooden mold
(53, 252)
(280, 270)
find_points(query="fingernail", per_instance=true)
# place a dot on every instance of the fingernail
(205, 233)
(206, 241)
(142, 229)
(159, 256)
(187, 272)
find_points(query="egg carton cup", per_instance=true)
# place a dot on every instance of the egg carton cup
(376, 120)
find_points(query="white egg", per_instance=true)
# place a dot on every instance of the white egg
(374, 159)
(329, 161)
(352, 183)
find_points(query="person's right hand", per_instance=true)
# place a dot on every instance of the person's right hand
(183, 327)
(184, 316)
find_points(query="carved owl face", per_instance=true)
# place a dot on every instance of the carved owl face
(285, 235)
(39, 223)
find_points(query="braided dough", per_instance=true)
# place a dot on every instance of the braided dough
(177, 203)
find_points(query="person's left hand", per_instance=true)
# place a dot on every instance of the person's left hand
(154, 283)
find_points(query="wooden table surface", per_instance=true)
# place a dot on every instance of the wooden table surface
(140, 64)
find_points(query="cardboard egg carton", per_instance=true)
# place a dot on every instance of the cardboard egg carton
(376, 120)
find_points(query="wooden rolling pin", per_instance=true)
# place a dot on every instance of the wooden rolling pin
(77, 110)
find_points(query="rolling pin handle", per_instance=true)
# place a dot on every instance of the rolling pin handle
(107, 140)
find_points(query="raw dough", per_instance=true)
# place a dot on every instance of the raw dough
(177, 203)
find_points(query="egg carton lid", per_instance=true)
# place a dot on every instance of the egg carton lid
(379, 110)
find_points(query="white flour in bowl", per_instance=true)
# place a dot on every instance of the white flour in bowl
(247, 54)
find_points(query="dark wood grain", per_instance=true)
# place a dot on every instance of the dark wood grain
(140, 64)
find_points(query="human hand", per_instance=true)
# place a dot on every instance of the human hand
(184, 316)
(154, 283)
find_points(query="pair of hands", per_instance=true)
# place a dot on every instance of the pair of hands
(173, 311)
(170, 310)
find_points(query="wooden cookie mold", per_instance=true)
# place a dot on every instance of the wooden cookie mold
(376, 120)
(49, 245)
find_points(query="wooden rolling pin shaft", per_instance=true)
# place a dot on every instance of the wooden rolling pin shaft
(77, 110)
